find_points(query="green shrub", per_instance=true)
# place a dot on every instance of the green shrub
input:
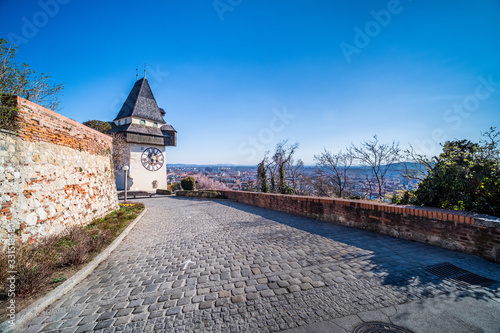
(465, 176)
(403, 197)
(188, 184)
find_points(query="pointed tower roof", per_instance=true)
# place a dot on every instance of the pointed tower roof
(141, 103)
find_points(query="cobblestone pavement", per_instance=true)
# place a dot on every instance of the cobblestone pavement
(220, 266)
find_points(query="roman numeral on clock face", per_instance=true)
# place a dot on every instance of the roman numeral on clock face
(152, 159)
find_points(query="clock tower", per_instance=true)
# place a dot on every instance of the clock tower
(141, 125)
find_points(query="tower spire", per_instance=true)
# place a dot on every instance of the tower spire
(137, 74)
(144, 70)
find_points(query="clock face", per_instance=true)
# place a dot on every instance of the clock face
(152, 159)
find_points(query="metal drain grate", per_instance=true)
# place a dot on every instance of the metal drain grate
(378, 327)
(459, 276)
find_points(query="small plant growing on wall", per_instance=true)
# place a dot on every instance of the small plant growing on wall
(8, 114)
(188, 183)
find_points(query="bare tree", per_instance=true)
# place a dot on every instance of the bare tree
(278, 165)
(369, 185)
(334, 169)
(295, 174)
(307, 185)
(322, 186)
(282, 158)
(121, 151)
(416, 165)
(379, 157)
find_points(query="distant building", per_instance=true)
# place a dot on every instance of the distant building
(140, 122)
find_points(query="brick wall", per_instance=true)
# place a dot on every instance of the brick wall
(38, 124)
(54, 173)
(476, 234)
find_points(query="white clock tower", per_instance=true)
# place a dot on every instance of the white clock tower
(140, 122)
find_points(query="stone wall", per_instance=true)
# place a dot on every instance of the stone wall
(459, 231)
(54, 173)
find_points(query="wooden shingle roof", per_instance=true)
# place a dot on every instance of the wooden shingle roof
(141, 103)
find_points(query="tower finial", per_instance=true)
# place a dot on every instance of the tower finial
(137, 74)
(144, 70)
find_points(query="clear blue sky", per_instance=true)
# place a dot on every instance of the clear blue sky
(335, 72)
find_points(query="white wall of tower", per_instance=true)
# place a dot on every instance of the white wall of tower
(139, 178)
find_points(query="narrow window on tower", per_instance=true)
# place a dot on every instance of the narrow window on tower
(143, 122)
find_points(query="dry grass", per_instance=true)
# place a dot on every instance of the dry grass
(42, 266)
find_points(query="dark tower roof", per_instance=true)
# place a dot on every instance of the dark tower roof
(141, 103)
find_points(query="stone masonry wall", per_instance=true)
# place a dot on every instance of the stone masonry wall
(459, 231)
(55, 173)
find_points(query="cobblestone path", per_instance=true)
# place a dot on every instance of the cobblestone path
(220, 266)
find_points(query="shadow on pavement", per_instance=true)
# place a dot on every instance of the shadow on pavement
(396, 262)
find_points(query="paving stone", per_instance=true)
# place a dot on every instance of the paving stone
(149, 300)
(317, 284)
(178, 283)
(221, 302)
(140, 317)
(174, 311)
(197, 298)
(189, 307)
(122, 320)
(156, 314)
(252, 296)
(283, 284)
(169, 304)
(267, 293)
(88, 327)
(140, 309)
(238, 298)
(69, 329)
(306, 286)
(136, 291)
(52, 326)
(203, 291)
(176, 295)
(106, 315)
(281, 291)
(89, 319)
(70, 322)
(238, 291)
(205, 305)
(124, 312)
(239, 284)
(71, 314)
(135, 303)
(293, 288)
(261, 287)
(104, 324)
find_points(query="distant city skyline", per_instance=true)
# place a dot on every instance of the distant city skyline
(236, 77)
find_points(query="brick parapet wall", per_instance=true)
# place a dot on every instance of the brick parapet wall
(38, 124)
(459, 231)
(54, 173)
